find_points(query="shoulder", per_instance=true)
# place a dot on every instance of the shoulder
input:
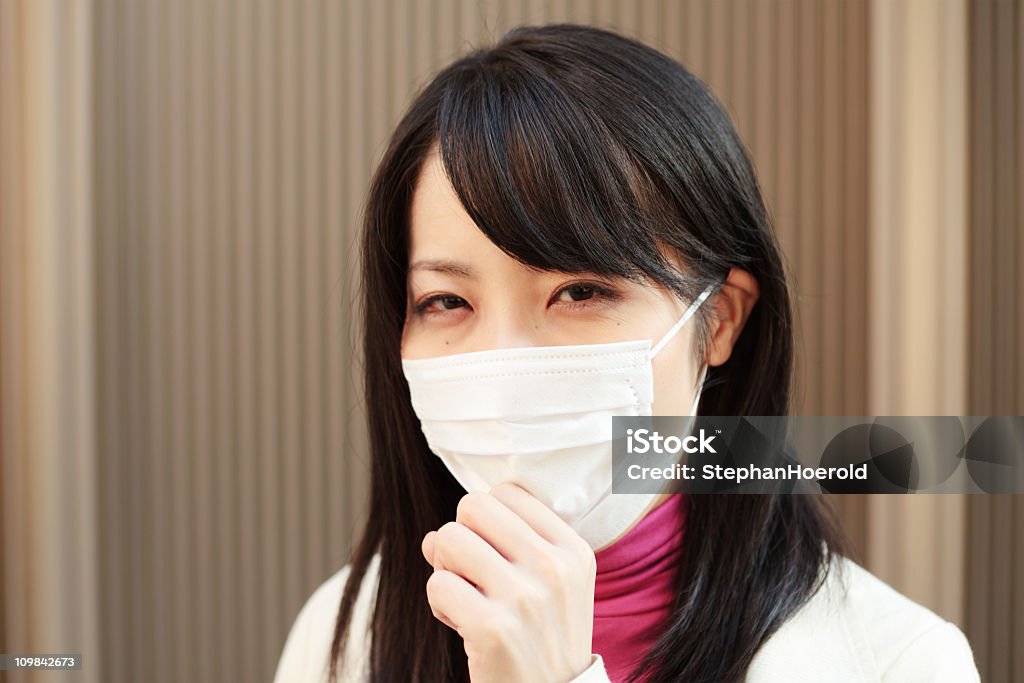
(858, 628)
(306, 652)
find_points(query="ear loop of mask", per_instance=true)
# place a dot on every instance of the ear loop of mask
(672, 332)
(700, 390)
(682, 321)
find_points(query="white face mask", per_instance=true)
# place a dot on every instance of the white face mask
(540, 417)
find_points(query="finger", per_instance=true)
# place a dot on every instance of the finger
(499, 526)
(442, 617)
(460, 550)
(536, 514)
(454, 601)
(427, 547)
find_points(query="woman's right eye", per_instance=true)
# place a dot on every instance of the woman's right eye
(438, 303)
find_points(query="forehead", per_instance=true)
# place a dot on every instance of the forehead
(438, 223)
(433, 195)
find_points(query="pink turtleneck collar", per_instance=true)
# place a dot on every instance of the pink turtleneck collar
(633, 592)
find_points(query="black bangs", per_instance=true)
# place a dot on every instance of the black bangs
(544, 176)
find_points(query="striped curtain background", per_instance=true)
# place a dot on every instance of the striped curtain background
(182, 456)
(995, 572)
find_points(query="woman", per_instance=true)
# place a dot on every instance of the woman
(566, 227)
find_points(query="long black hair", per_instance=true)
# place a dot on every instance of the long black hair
(576, 149)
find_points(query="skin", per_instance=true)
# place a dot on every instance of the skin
(510, 576)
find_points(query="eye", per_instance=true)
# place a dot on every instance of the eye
(580, 294)
(439, 303)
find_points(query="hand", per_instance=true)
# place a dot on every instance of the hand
(517, 583)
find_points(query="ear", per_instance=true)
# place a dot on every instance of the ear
(733, 303)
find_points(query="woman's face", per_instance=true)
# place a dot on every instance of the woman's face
(466, 294)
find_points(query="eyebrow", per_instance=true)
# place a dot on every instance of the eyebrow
(447, 267)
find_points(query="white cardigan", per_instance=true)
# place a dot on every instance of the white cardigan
(855, 629)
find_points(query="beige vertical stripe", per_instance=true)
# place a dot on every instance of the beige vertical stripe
(47, 343)
(918, 275)
(13, 376)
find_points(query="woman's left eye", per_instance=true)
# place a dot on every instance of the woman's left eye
(580, 292)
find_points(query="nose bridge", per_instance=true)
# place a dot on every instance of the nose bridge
(507, 327)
